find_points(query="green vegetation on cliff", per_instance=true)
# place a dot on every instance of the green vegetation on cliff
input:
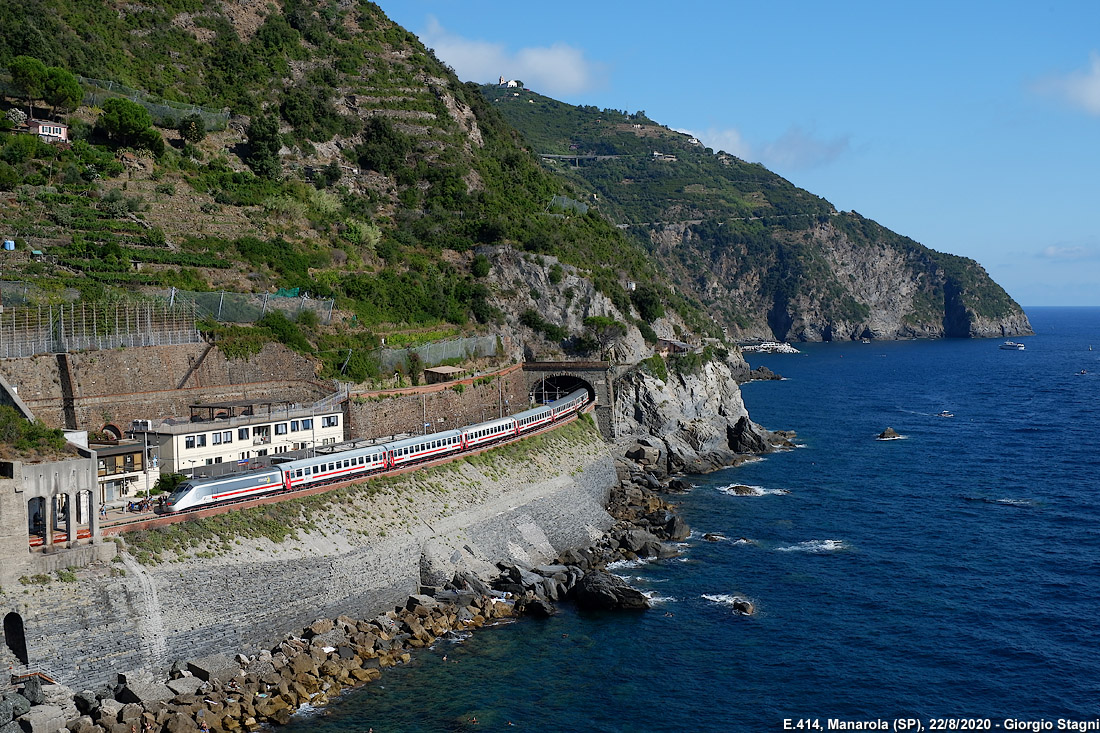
(749, 245)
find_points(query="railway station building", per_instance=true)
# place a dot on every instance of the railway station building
(222, 437)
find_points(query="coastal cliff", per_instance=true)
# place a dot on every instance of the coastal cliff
(693, 421)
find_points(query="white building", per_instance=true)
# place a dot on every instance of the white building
(242, 434)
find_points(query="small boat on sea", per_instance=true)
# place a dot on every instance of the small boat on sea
(945, 413)
(1012, 346)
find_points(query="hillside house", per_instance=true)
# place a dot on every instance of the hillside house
(509, 84)
(51, 132)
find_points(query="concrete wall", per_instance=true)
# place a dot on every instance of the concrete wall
(366, 555)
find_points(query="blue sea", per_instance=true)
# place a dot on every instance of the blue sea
(954, 573)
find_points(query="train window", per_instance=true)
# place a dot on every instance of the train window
(347, 463)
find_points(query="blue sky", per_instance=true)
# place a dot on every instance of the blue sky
(971, 127)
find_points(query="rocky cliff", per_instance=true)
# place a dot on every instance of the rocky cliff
(693, 423)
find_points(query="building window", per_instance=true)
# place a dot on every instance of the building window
(242, 433)
(280, 428)
(307, 423)
(330, 421)
(294, 426)
(262, 452)
(216, 439)
(227, 436)
(218, 459)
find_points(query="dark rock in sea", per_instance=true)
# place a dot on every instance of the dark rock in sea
(742, 490)
(743, 607)
(745, 438)
(535, 607)
(714, 537)
(599, 590)
(713, 460)
(677, 486)
(762, 372)
(677, 529)
(888, 434)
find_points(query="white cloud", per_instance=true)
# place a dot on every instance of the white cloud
(553, 70)
(1067, 253)
(796, 149)
(1079, 88)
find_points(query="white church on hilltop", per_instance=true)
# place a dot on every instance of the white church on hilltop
(509, 84)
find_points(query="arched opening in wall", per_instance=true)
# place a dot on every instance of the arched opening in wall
(15, 637)
(554, 388)
(60, 512)
(36, 519)
(84, 511)
(112, 432)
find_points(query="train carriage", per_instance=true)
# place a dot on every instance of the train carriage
(533, 419)
(485, 433)
(200, 492)
(570, 403)
(334, 466)
(423, 447)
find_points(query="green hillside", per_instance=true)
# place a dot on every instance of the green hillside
(747, 243)
(354, 166)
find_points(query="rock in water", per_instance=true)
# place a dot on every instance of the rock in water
(743, 607)
(602, 591)
(744, 438)
(888, 434)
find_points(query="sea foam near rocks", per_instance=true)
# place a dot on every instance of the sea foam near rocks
(816, 546)
(733, 490)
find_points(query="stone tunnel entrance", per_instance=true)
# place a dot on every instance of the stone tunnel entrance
(555, 387)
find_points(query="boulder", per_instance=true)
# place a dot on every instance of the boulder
(888, 434)
(535, 607)
(214, 667)
(43, 719)
(83, 724)
(743, 606)
(742, 490)
(185, 685)
(142, 692)
(677, 529)
(19, 704)
(636, 540)
(86, 702)
(745, 438)
(333, 638)
(32, 690)
(321, 626)
(12, 726)
(7, 711)
(678, 486)
(600, 590)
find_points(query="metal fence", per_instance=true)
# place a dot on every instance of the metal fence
(163, 111)
(248, 307)
(436, 353)
(55, 329)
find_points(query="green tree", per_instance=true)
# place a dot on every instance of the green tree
(263, 147)
(606, 331)
(481, 266)
(192, 129)
(62, 90)
(28, 74)
(123, 121)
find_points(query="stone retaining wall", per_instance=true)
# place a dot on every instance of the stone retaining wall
(366, 555)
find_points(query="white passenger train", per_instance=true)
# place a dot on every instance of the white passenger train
(356, 462)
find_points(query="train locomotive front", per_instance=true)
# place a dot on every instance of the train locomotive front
(195, 493)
